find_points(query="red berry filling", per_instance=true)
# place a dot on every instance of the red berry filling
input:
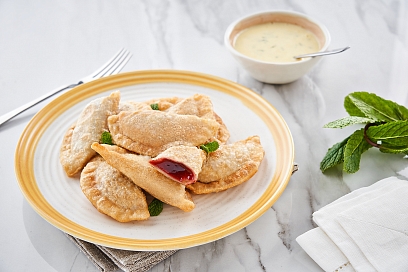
(177, 171)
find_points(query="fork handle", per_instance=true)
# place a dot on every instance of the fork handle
(5, 117)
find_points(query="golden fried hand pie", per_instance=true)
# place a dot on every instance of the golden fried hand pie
(229, 166)
(180, 163)
(138, 169)
(201, 106)
(198, 105)
(223, 133)
(112, 193)
(151, 132)
(163, 104)
(76, 148)
(133, 106)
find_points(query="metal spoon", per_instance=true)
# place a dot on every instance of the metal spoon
(330, 52)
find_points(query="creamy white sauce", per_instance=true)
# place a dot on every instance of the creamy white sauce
(276, 42)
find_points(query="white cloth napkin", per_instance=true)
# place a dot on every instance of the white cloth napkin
(365, 230)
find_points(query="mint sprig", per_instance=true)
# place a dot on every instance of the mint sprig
(347, 121)
(369, 105)
(392, 136)
(106, 138)
(155, 106)
(386, 128)
(155, 207)
(355, 147)
(334, 156)
(210, 147)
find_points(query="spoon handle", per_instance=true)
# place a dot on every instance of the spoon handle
(330, 52)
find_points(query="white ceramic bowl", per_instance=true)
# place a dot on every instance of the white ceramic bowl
(276, 72)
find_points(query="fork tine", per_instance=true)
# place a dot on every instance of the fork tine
(112, 66)
(101, 71)
(121, 64)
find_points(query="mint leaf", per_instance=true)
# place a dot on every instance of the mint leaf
(106, 138)
(374, 107)
(155, 207)
(334, 156)
(386, 128)
(348, 121)
(154, 106)
(395, 150)
(355, 147)
(351, 109)
(392, 137)
(210, 147)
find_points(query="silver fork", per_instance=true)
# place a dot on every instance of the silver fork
(113, 66)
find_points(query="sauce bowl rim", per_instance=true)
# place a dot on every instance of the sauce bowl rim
(231, 27)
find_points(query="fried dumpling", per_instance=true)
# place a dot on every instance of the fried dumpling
(76, 151)
(200, 105)
(138, 169)
(180, 163)
(162, 103)
(65, 152)
(223, 133)
(229, 166)
(112, 193)
(152, 132)
(133, 106)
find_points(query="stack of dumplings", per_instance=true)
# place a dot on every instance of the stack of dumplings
(155, 150)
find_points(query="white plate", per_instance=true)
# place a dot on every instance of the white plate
(60, 200)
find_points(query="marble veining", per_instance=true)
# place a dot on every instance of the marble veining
(256, 248)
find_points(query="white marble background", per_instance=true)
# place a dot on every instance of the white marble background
(45, 44)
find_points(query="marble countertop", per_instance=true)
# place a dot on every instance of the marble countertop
(45, 44)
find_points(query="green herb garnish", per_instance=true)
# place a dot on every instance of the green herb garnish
(154, 106)
(386, 128)
(210, 147)
(155, 207)
(106, 138)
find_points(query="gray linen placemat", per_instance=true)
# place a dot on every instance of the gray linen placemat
(95, 255)
(109, 259)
